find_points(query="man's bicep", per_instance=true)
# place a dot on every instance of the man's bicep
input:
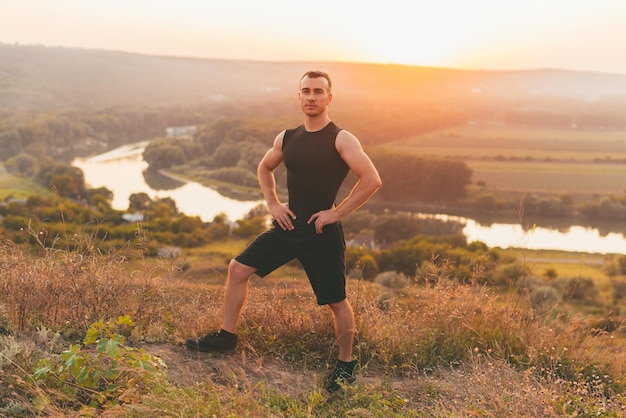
(357, 160)
(274, 156)
(362, 165)
(271, 159)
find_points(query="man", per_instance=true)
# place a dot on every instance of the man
(318, 155)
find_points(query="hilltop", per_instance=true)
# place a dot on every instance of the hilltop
(95, 334)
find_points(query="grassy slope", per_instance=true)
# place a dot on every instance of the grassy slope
(18, 187)
(435, 352)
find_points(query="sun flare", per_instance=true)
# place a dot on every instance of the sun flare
(490, 34)
(431, 35)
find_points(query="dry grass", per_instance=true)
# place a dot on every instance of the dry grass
(440, 349)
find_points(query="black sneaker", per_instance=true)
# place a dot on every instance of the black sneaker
(342, 374)
(216, 341)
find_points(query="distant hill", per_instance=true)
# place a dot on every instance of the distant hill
(38, 78)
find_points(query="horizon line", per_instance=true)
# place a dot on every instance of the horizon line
(213, 58)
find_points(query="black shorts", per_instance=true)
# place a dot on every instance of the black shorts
(322, 256)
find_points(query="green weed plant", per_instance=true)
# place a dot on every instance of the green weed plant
(102, 371)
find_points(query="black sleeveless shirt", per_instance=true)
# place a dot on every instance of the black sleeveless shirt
(315, 170)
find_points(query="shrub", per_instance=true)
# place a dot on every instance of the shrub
(5, 325)
(622, 264)
(580, 288)
(544, 297)
(619, 288)
(509, 274)
(360, 264)
(111, 374)
(369, 267)
(391, 279)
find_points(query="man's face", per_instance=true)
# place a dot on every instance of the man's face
(314, 96)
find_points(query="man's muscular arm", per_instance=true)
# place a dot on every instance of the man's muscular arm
(367, 184)
(265, 174)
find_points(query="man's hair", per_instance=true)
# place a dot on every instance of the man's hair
(316, 74)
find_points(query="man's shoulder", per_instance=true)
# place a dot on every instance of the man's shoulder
(344, 135)
(288, 133)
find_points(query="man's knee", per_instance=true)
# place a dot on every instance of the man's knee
(341, 307)
(238, 271)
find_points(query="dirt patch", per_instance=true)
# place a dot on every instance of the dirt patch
(241, 368)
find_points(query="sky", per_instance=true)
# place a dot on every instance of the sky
(585, 35)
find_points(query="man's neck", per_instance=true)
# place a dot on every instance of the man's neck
(316, 123)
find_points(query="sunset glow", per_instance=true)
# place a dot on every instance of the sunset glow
(490, 34)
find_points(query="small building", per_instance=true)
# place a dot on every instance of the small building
(363, 240)
(170, 252)
(180, 132)
(133, 217)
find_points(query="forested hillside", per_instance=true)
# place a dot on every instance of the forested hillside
(37, 78)
(69, 99)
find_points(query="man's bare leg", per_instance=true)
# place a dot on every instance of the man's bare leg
(234, 299)
(343, 371)
(235, 293)
(344, 328)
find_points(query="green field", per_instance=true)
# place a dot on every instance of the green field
(576, 179)
(490, 140)
(13, 186)
(582, 163)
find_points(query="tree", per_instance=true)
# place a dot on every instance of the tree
(23, 164)
(219, 228)
(65, 185)
(160, 155)
(100, 198)
(407, 178)
(392, 228)
(186, 224)
(227, 155)
(250, 227)
(10, 143)
(209, 140)
(138, 202)
(64, 178)
(164, 208)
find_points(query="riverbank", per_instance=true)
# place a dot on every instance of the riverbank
(229, 190)
(206, 198)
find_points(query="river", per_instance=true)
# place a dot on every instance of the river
(121, 171)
